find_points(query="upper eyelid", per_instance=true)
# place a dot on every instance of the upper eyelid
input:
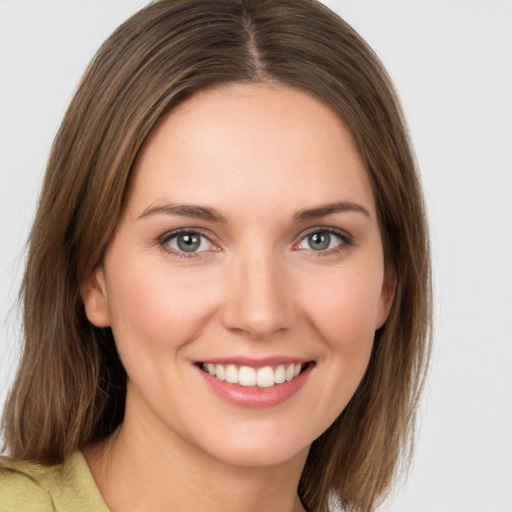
(329, 229)
(163, 243)
(212, 239)
(174, 232)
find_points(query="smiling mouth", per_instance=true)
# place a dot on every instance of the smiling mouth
(247, 376)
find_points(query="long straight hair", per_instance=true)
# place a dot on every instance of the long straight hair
(71, 386)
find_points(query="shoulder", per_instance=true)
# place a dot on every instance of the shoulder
(21, 487)
(28, 487)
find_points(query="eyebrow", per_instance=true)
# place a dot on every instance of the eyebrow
(185, 210)
(205, 213)
(328, 209)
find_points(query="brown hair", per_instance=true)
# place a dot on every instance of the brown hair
(71, 386)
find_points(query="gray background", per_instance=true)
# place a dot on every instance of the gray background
(451, 61)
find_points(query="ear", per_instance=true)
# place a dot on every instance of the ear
(387, 296)
(94, 296)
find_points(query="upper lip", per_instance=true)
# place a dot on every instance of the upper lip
(256, 362)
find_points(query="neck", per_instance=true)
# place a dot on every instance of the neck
(140, 468)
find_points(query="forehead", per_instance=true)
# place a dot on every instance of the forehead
(261, 143)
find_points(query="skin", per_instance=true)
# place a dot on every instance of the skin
(256, 154)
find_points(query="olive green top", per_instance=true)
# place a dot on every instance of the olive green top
(68, 487)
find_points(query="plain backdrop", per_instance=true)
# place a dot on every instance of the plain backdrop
(451, 61)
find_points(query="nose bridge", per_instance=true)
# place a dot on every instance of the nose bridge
(258, 300)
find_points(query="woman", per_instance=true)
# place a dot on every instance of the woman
(228, 281)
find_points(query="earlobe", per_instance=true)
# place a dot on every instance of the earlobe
(387, 296)
(94, 296)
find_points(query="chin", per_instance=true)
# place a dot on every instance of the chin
(256, 444)
(252, 454)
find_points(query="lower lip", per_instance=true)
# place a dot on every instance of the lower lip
(254, 397)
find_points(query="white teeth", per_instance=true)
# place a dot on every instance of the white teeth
(247, 376)
(219, 372)
(265, 377)
(231, 374)
(280, 376)
(290, 371)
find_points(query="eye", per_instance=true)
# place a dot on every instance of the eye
(188, 242)
(322, 240)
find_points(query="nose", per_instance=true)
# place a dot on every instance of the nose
(259, 297)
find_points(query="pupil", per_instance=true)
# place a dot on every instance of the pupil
(188, 243)
(319, 241)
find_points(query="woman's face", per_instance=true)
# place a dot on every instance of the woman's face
(249, 250)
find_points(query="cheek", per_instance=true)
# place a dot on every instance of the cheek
(343, 315)
(154, 313)
(344, 308)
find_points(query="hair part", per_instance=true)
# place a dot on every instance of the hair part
(71, 386)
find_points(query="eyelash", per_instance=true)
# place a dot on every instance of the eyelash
(346, 240)
(164, 240)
